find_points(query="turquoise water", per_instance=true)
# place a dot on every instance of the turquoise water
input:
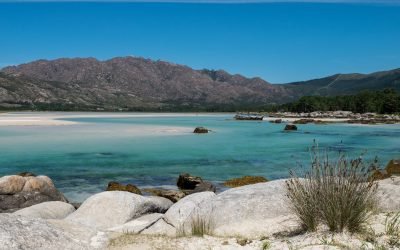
(84, 157)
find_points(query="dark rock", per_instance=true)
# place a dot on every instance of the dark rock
(200, 130)
(172, 195)
(303, 121)
(290, 127)
(26, 174)
(115, 186)
(393, 167)
(186, 181)
(249, 117)
(245, 180)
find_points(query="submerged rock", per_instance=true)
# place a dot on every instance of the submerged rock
(290, 127)
(115, 186)
(245, 180)
(18, 192)
(200, 130)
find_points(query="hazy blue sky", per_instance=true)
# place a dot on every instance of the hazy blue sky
(280, 42)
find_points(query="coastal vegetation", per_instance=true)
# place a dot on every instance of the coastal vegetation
(384, 102)
(336, 193)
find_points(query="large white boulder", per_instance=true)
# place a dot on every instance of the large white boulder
(181, 214)
(18, 232)
(137, 225)
(109, 209)
(389, 195)
(47, 210)
(250, 211)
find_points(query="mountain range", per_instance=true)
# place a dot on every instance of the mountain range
(132, 83)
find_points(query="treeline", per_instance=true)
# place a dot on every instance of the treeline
(384, 102)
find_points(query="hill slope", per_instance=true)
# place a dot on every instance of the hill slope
(131, 83)
(346, 84)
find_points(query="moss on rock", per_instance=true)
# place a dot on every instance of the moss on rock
(245, 180)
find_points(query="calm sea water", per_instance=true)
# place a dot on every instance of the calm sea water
(83, 158)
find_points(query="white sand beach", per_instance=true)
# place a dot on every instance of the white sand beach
(56, 118)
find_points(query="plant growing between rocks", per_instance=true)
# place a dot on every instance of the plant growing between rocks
(392, 229)
(199, 226)
(336, 193)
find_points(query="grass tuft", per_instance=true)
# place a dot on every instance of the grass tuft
(199, 226)
(338, 194)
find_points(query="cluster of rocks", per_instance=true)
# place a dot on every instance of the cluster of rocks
(348, 116)
(249, 117)
(250, 212)
(26, 189)
(186, 183)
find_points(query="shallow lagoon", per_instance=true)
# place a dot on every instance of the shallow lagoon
(82, 158)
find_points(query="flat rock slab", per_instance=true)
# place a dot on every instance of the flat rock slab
(17, 232)
(389, 195)
(47, 210)
(137, 225)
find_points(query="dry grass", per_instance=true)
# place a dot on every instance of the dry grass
(338, 194)
(199, 226)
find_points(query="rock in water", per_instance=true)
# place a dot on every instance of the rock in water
(245, 180)
(109, 209)
(193, 184)
(47, 210)
(290, 127)
(18, 192)
(186, 181)
(200, 130)
(115, 186)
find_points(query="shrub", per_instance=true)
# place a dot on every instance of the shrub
(338, 193)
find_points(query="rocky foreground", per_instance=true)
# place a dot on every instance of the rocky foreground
(253, 216)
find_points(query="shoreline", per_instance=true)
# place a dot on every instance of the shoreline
(59, 118)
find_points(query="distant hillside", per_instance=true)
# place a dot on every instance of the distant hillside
(130, 83)
(345, 84)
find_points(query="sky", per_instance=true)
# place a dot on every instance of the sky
(280, 41)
